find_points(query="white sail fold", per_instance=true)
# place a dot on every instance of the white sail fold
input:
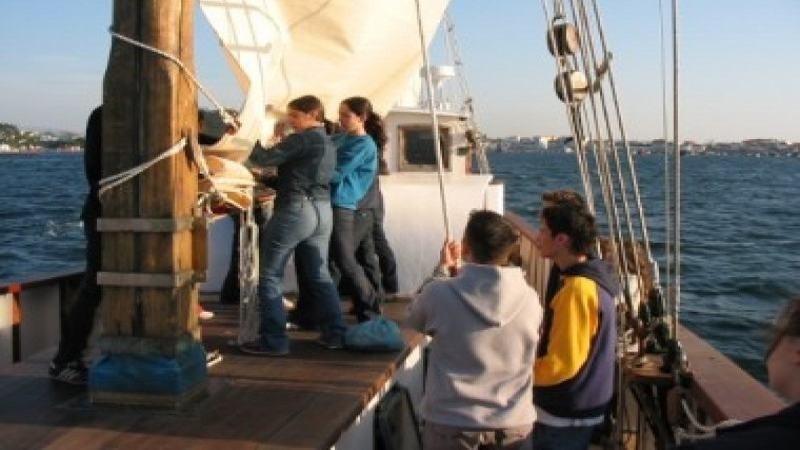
(334, 49)
(253, 34)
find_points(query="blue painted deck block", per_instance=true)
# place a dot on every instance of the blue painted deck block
(150, 374)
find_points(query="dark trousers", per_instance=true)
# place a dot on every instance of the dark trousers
(350, 228)
(546, 437)
(365, 249)
(304, 314)
(79, 319)
(230, 287)
(386, 259)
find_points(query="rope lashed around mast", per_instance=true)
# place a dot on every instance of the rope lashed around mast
(113, 181)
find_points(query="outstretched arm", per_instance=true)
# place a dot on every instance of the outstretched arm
(290, 148)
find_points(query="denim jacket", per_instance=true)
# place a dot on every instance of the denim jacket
(305, 162)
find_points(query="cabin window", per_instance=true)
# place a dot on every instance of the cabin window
(417, 149)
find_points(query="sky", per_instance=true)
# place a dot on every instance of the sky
(739, 67)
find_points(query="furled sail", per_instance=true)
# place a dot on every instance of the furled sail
(253, 34)
(341, 48)
(334, 49)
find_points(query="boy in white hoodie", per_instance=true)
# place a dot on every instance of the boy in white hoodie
(485, 327)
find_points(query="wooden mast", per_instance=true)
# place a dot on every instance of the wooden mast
(149, 320)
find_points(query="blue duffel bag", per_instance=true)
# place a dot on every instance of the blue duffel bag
(375, 335)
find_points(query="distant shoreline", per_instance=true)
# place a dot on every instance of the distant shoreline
(48, 151)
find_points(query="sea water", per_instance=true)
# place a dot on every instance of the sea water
(740, 230)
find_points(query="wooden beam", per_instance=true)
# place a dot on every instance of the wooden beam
(141, 225)
(148, 280)
(149, 105)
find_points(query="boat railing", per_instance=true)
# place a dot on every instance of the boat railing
(535, 266)
(721, 390)
(31, 313)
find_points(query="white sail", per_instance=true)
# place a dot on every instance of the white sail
(334, 49)
(342, 48)
(253, 34)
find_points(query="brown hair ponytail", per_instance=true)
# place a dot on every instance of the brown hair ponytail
(373, 124)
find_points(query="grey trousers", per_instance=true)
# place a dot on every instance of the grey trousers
(443, 437)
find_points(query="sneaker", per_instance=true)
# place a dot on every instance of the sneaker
(213, 357)
(331, 343)
(73, 372)
(203, 314)
(255, 348)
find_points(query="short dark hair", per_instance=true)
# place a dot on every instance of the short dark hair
(490, 237)
(566, 212)
(564, 197)
(309, 104)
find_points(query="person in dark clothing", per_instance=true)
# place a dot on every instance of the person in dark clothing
(365, 240)
(301, 222)
(378, 246)
(574, 370)
(779, 431)
(231, 289)
(67, 366)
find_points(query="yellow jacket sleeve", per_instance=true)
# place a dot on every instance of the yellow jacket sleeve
(574, 325)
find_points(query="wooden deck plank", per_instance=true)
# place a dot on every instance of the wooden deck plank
(304, 400)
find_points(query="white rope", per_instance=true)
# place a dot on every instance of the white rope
(676, 178)
(249, 303)
(214, 191)
(226, 118)
(434, 122)
(590, 66)
(560, 68)
(709, 429)
(665, 137)
(120, 178)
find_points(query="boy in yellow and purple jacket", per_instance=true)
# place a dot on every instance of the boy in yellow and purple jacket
(574, 370)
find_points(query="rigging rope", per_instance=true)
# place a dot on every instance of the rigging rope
(451, 40)
(226, 117)
(591, 66)
(113, 181)
(676, 179)
(561, 69)
(434, 122)
(198, 157)
(664, 131)
(706, 431)
(623, 135)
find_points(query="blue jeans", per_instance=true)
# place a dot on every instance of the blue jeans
(303, 226)
(546, 437)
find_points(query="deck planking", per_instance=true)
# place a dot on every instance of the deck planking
(304, 400)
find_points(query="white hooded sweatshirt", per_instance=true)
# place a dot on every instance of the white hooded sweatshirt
(485, 329)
